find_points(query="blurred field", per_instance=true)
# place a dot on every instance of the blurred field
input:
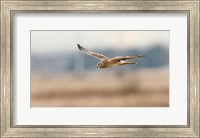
(144, 88)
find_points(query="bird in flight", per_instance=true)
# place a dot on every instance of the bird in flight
(107, 62)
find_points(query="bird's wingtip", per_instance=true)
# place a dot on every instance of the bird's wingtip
(79, 46)
(143, 55)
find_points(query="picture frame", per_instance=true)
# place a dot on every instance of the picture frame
(10, 8)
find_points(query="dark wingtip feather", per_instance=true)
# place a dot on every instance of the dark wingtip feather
(79, 46)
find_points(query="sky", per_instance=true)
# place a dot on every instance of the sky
(59, 41)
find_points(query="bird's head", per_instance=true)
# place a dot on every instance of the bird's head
(99, 65)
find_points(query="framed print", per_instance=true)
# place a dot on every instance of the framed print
(100, 68)
(118, 83)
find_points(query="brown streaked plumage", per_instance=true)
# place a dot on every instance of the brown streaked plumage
(107, 62)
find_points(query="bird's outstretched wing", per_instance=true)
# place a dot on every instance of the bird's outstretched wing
(117, 59)
(88, 52)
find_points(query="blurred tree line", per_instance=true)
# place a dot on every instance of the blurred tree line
(66, 62)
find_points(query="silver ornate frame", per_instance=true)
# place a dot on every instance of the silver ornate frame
(10, 7)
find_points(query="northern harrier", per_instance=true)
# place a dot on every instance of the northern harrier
(106, 62)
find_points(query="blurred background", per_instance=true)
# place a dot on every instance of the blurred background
(63, 76)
